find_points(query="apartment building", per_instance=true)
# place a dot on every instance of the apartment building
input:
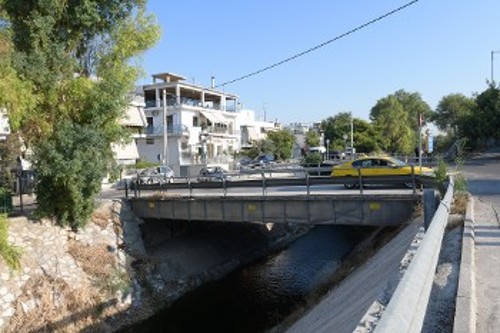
(134, 119)
(188, 126)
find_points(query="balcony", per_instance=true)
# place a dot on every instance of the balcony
(177, 130)
(188, 102)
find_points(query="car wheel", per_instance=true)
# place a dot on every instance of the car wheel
(349, 186)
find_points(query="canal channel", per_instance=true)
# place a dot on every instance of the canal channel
(262, 294)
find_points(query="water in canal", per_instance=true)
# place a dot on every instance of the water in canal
(259, 296)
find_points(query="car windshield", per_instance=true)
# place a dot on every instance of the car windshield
(398, 162)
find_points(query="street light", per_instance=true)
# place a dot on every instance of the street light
(492, 53)
(328, 149)
(165, 129)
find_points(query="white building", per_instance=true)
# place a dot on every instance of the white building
(200, 123)
(135, 120)
(253, 130)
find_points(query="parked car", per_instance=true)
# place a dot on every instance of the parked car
(156, 175)
(378, 166)
(263, 161)
(244, 162)
(213, 174)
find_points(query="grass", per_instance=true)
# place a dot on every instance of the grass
(10, 254)
(101, 264)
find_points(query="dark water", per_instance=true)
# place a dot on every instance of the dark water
(258, 297)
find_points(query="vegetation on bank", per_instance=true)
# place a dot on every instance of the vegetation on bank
(10, 254)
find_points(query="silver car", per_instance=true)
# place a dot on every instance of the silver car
(157, 175)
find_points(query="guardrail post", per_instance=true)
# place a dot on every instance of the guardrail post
(190, 188)
(360, 178)
(136, 185)
(307, 184)
(414, 185)
(263, 184)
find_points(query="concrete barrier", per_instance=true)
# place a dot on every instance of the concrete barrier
(407, 308)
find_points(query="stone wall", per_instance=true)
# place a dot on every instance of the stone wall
(71, 265)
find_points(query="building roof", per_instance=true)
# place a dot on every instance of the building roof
(168, 77)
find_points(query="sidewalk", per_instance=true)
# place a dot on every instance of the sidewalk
(484, 184)
(487, 266)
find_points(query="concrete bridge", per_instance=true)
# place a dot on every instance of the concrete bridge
(334, 207)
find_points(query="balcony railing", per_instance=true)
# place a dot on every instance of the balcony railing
(189, 102)
(171, 130)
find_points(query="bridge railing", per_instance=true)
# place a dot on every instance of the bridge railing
(294, 177)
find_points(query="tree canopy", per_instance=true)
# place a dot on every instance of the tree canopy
(452, 111)
(336, 127)
(280, 144)
(396, 118)
(71, 68)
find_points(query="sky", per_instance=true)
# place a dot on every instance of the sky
(434, 48)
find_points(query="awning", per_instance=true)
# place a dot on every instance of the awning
(214, 117)
(134, 116)
(125, 151)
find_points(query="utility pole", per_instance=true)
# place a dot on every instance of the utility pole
(165, 132)
(420, 121)
(352, 138)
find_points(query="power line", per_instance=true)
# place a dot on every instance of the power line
(345, 34)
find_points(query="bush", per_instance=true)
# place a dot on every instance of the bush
(9, 253)
(71, 165)
(441, 175)
(312, 159)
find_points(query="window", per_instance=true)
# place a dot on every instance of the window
(149, 121)
(150, 141)
(356, 164)
(195, 121)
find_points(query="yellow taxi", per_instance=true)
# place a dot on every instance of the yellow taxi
(377, 166)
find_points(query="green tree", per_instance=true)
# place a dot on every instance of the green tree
(364, 135)
(486, 117)
(74, 64)
(411, 103)
(391, 121)
(280, 143)
(452, 111)
(312, 138)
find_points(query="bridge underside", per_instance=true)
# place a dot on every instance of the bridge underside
(364, 210)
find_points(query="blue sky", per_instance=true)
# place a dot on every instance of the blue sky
(433, 47)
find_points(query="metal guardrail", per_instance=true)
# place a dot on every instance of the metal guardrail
(407, 308)
(265, 182)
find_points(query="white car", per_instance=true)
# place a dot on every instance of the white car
(157, 175)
